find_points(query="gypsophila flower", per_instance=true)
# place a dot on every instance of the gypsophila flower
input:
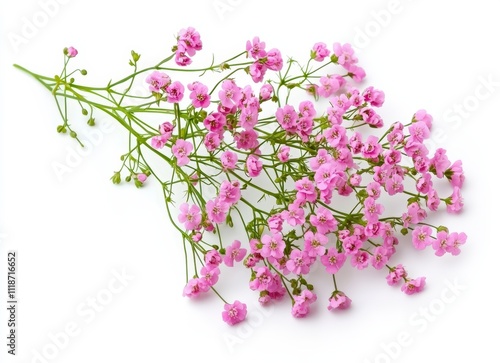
(339, 301)
(234, 313)
(181, 151)
(413, 286)
(71, 52)
(283, 156)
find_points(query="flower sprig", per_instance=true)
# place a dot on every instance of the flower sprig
(289, 155)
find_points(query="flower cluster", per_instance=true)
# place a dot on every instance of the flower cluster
(301, 164)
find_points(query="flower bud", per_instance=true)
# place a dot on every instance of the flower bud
(135, 56)
(116, 179)
(73, 134)
(70, 52)
(229, 221)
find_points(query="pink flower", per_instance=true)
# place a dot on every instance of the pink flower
(71, 52)
(275, 223)
(334, 115)
(248, 118)
(355, 180)
(181, 151)
(357, 73)
(256, 48)
(257, 71)
(455, 174)
(424, 183)
(195, 287)
(158, 81)
(433, 200)
(321, 158)
(274, 60)
(413, 286)
(419, 131)
(371, 148)
(210, 274)
(394, 185)
(212, 141)
(395, 275)
(215, 122)
(373, 189)
(294, 216)
(217, 210)
(181, 57)
(374, 96)
(190, 39)
(379, 257)
(360, 259)
(396, 136)
(415, 148)
(302, 303)
(166, 129)
(454, 241)
(345, 55)
(262, 280)
(234, 253)
(421, 237)
(351, 244)
(265, 92)
(328, 86)
(455, 203)
(272, 246)
(190, 216)
(254, 165)
(333, 260)
(306, 192)
(319, 52)
(247, 140)
(158, 141)
(228, 160)
(299, 262)
(327, 176)
(392, 156)
(340, 103)
(175, 92)
(230, 94)
(372, 210)
(284, 153)
(305, 127)
(336, 136)
(323, 220)
(439, 163)
(213, 258)
(287, 117)
(314, 243)
(422, 115)
(230, 192)
(440, 243)
(339, 301)
(199, 95)
(234, 313)
(414, 214)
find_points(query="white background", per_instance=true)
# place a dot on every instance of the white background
(72, 233)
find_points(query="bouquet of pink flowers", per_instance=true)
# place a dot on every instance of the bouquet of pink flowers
(293, 156)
